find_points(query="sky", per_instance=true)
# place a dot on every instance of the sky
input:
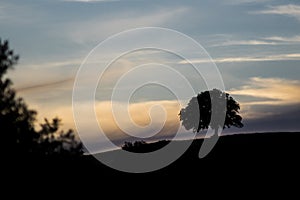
(254, 43)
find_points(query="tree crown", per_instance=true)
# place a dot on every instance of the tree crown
(200, 109)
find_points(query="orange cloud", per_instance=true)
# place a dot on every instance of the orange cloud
(279, 91)
(276, 91)
(141, 114)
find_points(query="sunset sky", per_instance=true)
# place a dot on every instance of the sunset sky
(254, 43)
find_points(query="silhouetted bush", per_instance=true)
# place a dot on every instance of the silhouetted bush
(144, 147)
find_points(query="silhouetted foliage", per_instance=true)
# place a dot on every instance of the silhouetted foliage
(199, 111)
(15, 118)
(17, 121)
(54, 142)
(144, 147)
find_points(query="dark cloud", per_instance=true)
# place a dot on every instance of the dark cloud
(43, 85)
(283, 118)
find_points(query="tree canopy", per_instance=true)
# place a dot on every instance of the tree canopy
(198, 113)
(18, 121)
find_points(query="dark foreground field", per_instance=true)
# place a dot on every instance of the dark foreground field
(245, 155)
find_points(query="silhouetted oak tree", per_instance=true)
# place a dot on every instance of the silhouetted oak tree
(17, 128)
(199, 111)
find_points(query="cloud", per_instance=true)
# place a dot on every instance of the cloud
(281, 97)
(18, 13)
(271, 40)
(290, 10)
(238, 2)
(285, 40)
(139, 113)
(53, 64)
(245, 42)
(97, 29)
(279, 57)
(90, 1)
(55, 99)
(274, 105)
(278, 118)
(39, 76)
(277, 91)
(44, 85)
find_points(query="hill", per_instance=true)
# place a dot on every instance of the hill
(233, 155)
